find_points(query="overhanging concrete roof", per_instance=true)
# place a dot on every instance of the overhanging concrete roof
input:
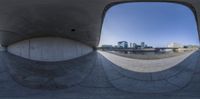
(75, 19)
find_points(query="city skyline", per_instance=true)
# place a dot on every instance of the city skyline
(130, 44)
(156, 24)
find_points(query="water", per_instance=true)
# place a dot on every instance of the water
(146, 53)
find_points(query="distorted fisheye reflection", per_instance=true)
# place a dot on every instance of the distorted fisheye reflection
(149, 34)
(99, 49)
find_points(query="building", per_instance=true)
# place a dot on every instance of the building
(123, 44)
(175, 45)
(134, 45)
(130, 45)
(142, 45)
(106, 47)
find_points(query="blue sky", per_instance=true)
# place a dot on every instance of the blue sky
(156, 24)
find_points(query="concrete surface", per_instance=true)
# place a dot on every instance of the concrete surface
(91, 76)
(48, 75)
(49, 49)
(140, 65)
(2, 49)
(167, 80)
(94, 77)
(76, 19)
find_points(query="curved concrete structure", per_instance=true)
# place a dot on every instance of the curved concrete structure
(80, 76)
(49, 49)
(75, 19)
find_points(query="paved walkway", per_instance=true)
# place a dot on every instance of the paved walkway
(167, 80)
(95, 77)
(140, 65)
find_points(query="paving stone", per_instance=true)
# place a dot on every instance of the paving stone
(120, 86)
(181, 79)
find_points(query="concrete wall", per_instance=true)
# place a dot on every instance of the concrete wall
(49, 49)
(2, 48)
